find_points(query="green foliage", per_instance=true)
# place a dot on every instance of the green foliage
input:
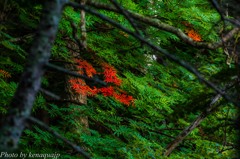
(167, 98)
(7, 90)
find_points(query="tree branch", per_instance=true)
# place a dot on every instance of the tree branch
(192, 126)
(57, 135)
(65, 71)
(163, 26)
(128, 17)
(65, 101)
(195, 123)
(50, 94)
(219, 10)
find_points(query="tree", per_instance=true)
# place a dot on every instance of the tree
(140, 105)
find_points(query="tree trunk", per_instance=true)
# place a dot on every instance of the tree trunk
(77, 98)
(73, 96)
(30, 81)
(83, 27)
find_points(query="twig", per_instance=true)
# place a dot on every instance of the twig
(75, 36)
(50, 94)
(56, 134)
(66, 101)
(125, 13)
(158, 49)
(235, 22)
(159, 132)
(60, 69)
(170, 129)
(219, 10)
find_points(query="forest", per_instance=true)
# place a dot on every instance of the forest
(119, 79)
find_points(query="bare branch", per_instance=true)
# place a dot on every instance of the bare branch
(128, 17)
(192, 126)
(60, 69)
(159, 132)
(50, 94)
(209, 109)
(217, 7)
(219, 10)
(66, 101)
(57, 135)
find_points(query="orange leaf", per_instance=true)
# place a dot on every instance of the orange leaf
(83, 64)
(194, 35)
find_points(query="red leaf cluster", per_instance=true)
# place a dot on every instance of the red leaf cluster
(4, 74)
(110, 76)
(79, 86)
(84, 65)
(107, 91)
(194, 35)
(191, 32)
(123, 98)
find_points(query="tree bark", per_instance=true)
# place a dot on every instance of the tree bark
(30, 81)
(83, 27)
(82, 122)
(78, 98)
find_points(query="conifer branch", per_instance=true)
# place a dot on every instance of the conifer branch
(65, 71)
(163, 26)
(57, 135)
(158, 49)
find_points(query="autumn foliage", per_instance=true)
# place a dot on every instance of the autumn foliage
(4, 74)
(191, 33)
(194, 35)
(110, 76)
(85, 66)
